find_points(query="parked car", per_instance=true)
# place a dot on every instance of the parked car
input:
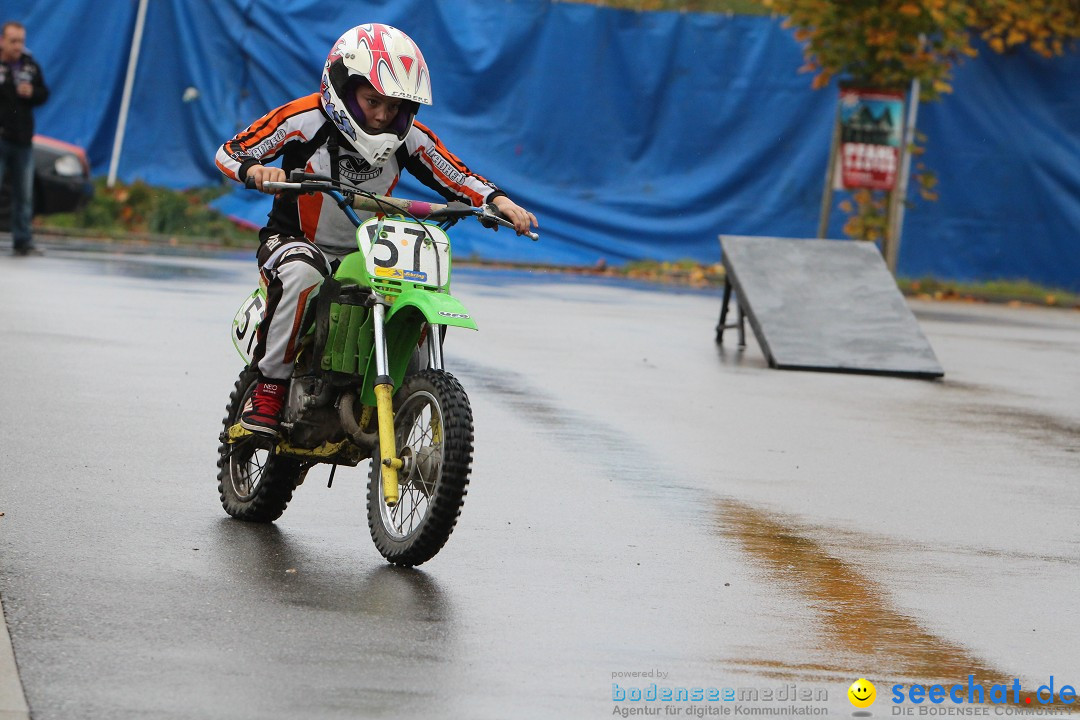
(61, 180)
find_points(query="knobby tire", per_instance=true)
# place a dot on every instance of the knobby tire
(444, 493)
(277, 477)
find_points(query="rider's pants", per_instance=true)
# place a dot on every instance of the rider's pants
(292, 270)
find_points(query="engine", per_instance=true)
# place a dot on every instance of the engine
(310, 413)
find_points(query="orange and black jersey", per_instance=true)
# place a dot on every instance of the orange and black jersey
(301, 135)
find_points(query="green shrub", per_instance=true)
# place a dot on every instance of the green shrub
(140, 208)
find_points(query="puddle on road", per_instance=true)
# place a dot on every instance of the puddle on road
(981, 406)
(1052, 430)
(481, 278)
(621, 459)
(1027, 317)
(861, 634)
(156, 267)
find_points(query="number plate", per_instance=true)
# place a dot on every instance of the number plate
(405, 250)
(245, 325)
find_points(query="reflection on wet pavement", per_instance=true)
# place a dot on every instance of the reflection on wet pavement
(499, 279)
(158, 267)
(294, 570)
(861, 634)
(1051, 430)
(583, 435)
(935, 314)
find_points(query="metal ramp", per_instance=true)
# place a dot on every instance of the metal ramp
(827, 305)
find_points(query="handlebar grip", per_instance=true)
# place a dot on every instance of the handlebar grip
(272, 185)
(494, 214)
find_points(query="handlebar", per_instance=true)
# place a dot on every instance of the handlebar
(488, 215)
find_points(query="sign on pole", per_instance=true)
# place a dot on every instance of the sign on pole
(871, 135)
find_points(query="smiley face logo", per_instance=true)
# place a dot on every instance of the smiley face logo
(862, 693)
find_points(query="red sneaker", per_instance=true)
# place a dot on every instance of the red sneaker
(264, 406)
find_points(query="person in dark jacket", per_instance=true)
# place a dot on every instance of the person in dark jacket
(22, 88)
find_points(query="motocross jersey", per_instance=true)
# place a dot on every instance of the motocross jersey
(304, 138)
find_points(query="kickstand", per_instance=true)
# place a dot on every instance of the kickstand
(333, 469)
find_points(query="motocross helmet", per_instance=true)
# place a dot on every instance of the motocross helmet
(388, 60)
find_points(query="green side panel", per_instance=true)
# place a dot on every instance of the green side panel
(352, 270)
(348, 343)
(331, 338)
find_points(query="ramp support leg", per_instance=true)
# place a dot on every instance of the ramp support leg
(739, 317)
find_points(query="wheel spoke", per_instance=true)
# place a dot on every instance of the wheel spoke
(254, 483)
(432, 425)
(248, 467)
(414, 504)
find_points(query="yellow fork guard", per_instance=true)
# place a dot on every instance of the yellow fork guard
(391, 462)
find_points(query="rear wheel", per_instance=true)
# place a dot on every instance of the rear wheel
(254, 483)
(433, 430)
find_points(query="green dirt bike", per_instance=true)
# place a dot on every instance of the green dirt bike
(368, 381)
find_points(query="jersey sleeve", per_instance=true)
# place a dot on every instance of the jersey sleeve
(433, 164)
(265, 139)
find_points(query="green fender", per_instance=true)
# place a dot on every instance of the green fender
(437, 308)
(403, 324)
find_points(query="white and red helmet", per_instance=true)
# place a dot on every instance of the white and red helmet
(391, 62)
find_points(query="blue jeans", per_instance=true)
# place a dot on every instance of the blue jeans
(18, 160)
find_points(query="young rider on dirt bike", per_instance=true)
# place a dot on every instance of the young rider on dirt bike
(359, 129)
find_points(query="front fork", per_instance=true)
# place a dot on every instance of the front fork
(384, 398)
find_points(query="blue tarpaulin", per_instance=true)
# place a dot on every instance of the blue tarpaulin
(631, 135)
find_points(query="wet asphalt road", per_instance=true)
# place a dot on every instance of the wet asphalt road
(640, 502)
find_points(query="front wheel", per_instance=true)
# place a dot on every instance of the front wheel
(433, 431)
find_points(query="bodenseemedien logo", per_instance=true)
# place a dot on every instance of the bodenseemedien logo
(702, 700)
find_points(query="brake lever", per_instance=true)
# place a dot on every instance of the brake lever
(489, 216)
(299, 175)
